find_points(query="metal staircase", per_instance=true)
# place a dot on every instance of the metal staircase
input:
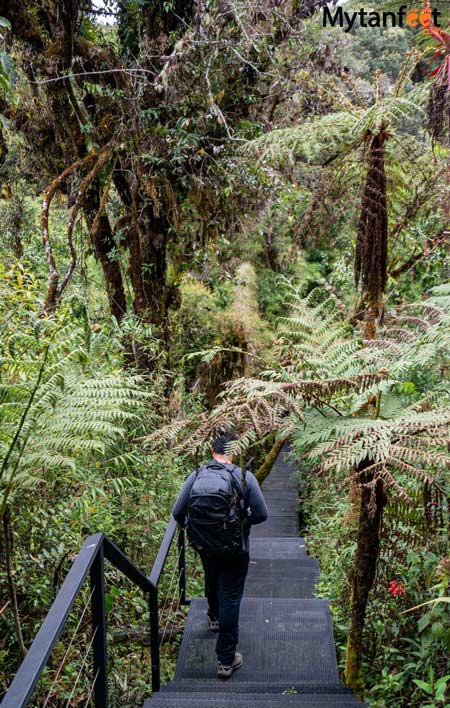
(286, 635)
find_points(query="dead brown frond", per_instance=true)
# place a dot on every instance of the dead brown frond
(372, 237)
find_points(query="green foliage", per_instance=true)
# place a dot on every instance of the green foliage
(53, 412)
(8, 74)
(79, 424)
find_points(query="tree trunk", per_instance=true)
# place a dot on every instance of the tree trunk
(363, 576)
(103, 242)
(146, 237)
(271, 255)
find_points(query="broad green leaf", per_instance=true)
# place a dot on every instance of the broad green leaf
(4, 122)
(443, 680)
(437, 630)
(424, 686)
(5, 23)
(440, 692)
(423, 622)
(409, 387)
(8, 67)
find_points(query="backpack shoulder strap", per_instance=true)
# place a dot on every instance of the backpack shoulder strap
(240, 489)
(244, 480)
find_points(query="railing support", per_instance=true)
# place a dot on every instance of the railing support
(182, 566)
(154, 639)
(99, 629)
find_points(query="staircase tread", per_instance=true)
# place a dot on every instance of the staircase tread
(282, 639)
(262, 697)
(213, 686)
(274, 547)
(229, 700)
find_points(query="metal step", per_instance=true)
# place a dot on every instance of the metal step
(230, 700)
(278, 548)
(280, 484)
(281, 500)
(283, 525)
(289, 567)
(281, 568)
(214, 685)
(282, 640)
(300, 585)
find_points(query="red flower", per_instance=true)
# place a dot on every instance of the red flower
(396, 589)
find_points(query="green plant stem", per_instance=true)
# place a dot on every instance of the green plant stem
(15, 439)
(10, 579)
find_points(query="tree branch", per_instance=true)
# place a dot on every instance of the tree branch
(49, 193)
(101, 162)
(412, 260)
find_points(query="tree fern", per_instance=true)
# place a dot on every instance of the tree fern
(340, 397)
(54, 414)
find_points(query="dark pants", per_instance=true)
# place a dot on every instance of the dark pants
(224, 587)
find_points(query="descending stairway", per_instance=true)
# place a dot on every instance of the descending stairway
(286, 636)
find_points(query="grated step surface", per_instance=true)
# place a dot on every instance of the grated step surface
(281, 499)
(281, 639)
(213, 686)
(281, 502)
(286, 566)
(278, 548)
(290, 574)
(229, 700)
(287, 587)
(280, 484)
(286, 525)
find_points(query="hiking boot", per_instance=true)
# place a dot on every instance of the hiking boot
(224, 670)
(213, 624)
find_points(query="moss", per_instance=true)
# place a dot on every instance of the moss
(270, 460)
(244, 316)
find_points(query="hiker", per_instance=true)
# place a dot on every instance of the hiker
(217, 505)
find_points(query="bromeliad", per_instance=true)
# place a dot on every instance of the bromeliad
(439, 101)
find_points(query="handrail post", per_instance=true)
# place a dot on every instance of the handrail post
(99, 629)
(154, 639)
(182, 565)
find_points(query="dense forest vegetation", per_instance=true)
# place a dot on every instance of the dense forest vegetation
(214, 213)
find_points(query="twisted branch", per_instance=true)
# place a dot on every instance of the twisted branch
(52, 292)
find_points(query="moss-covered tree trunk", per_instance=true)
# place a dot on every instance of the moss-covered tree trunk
(363, 574)
(104, 244)
(270, 460)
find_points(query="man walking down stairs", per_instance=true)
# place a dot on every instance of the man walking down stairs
(286, 634)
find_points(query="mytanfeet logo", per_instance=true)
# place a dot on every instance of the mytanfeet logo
(404, 17)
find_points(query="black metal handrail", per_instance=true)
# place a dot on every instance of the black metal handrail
(90, 560)
(155, 576)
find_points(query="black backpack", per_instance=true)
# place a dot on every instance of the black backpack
(216, 511)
